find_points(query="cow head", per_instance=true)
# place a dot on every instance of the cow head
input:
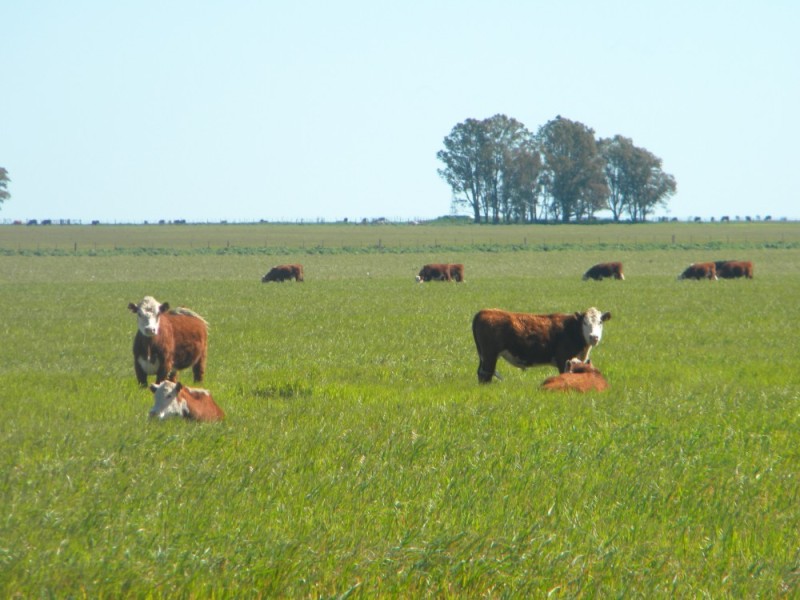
(166, 400)
(148, 312)
(592, 321)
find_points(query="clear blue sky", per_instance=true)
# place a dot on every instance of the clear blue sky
(245, 110)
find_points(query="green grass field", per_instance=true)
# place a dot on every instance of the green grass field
(360, 457)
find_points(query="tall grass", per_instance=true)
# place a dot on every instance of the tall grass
(360, 456)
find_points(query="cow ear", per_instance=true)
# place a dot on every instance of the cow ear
(178, 387)
(579, 315)
(133, 308)
(164, 307)
(153, 387)
(606, 316)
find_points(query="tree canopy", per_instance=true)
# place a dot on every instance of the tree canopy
(503, 173)
(4, 195)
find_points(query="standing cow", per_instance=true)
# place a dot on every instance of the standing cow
(167, 341)
(732, 269)
(441, 272)
(602, 270)
(578, 376)
(175, 399)
(525, 340)
(707, 270)
(283, 273)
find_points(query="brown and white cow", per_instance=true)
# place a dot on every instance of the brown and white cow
(602, 270)
(441, 272)
(167, 341)
(731, 269)
(706, 270)
(578, 376)
(283, 273)
(172, 398)
(525, 340)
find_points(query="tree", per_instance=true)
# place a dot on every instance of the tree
(492, 167)
(4, 195)
(574, 168)
(507, 144)
(617, 153)
(522, 176)
(657, 189)
(463, 157)
(637, 183)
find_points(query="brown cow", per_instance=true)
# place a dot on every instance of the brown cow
(706, 270)
(731, 269)
(171, 398)
(603, 270)
(167, 341)
(578, 376)
(525, 340)
(283, 273)
(441, 272)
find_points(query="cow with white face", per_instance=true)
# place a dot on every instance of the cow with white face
(526, 340)
(167, 341)
(175, 399)
(148, 312)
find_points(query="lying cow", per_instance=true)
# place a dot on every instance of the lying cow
(525, 340)
(731, 269)
(602, 270)
(578, 376)
(283, 273)
(707, 270)
(175, 399)
(167, 341)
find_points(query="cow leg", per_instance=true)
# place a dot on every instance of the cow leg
(486, 369)
(165, 371)
(199, 368)
(141, 376)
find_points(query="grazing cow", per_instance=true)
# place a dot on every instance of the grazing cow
(171, 398)
(578, 376)
(603, 270)
(731, 269)
(167, 341)
(525, 340)
(441, 272)
(698, 271)
(283, 273)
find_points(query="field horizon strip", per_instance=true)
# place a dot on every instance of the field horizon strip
(360, 457)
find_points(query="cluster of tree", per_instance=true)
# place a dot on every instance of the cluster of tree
(507, 174)
(4, 195)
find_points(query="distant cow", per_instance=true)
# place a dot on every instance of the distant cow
(167, 341)
(603, 270)
(706, 270)
(283, 273)
(175, 399)
(441, 272)
(578, 376)
(731, 269)
(525, 340)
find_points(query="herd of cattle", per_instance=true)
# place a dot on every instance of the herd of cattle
(169, 340)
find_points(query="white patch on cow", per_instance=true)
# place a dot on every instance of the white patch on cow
(151, 368)
(147, 313)
(593, 328)
(515, 361)
(166, 400)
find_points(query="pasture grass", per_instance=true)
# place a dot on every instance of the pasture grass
(360, 457)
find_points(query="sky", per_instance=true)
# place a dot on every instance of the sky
(313, 110)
